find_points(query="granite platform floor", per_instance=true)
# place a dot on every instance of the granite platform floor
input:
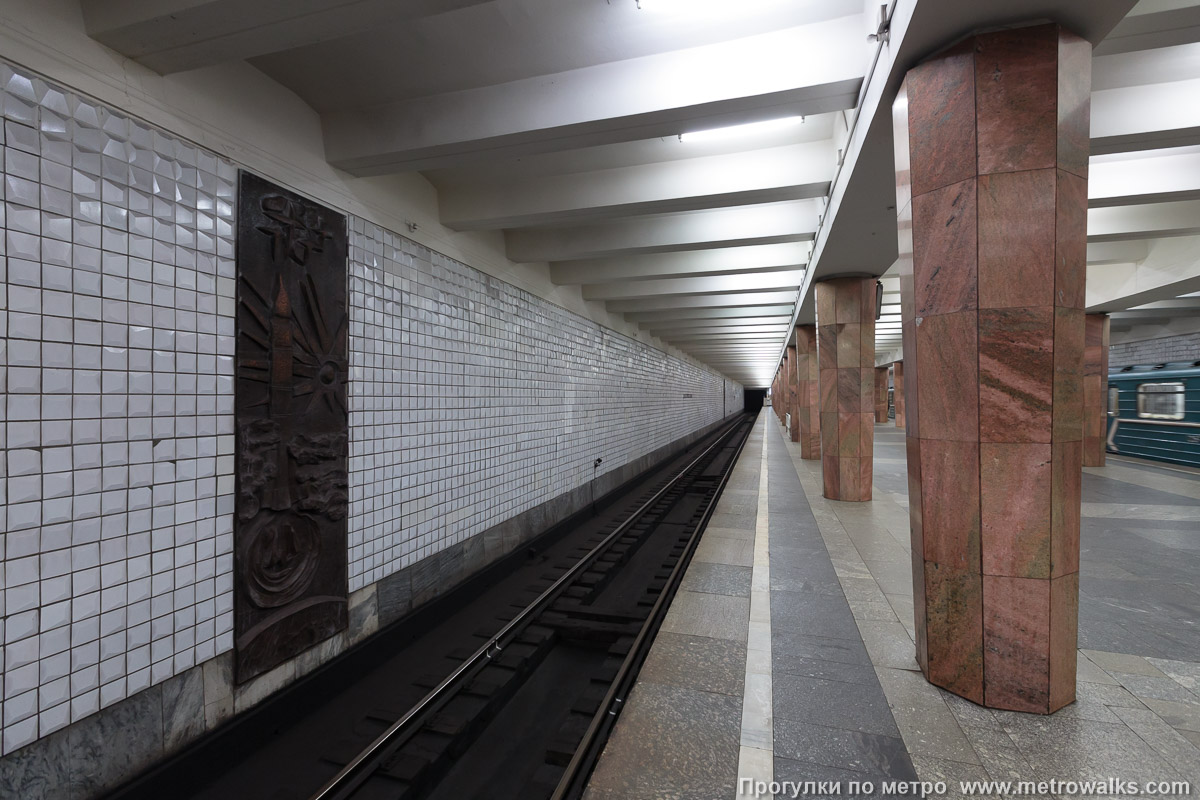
(788, 654)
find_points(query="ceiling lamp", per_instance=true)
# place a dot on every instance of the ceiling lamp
(734, 131)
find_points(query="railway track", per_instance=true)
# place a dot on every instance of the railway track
(570, 653)
(507, 689)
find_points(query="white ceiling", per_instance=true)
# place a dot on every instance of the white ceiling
(509, 40)
(558, 122)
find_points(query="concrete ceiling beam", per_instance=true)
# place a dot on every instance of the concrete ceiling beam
(807, 69)
(1117, 252)
(769, 175)
(175, 35)
(731, 322)
(774, 339)
(701, 301)
(725, 260)
(707, 315)
(675, 333)
(1177, 303)
(1147, 221)
(1152, 24)
(1145, 117)
(729, 350)
(1141, 314)
(772, 223)
(1149, 177)
(1171, 269)
(731, 286)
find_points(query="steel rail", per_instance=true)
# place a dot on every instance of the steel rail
(350, 777)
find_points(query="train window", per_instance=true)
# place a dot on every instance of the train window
(1114, 401)
(1160, 401)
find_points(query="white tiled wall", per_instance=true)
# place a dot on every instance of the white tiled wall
(472, 401)
(734, 397)
(1185, 347)
(116, 312)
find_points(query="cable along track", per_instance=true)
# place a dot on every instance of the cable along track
(527, 713)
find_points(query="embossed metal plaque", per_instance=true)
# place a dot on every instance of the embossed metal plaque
(291, 419)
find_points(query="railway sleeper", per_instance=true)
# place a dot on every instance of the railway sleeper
(593, 634)
(448, 735)
(366, 728)
(596, 613)
(405, 767)
(590, 578)
(491, 681)
(566, 740)
(342, 751)
(544, 781)
(536, 635)
(606, 671)
(590, 699)
(621, 647)
(434, 748)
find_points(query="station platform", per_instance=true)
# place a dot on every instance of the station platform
(788, 653)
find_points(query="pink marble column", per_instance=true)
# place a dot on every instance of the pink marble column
(789, 379)
(846, 357)
(781, 403)
(881, 394)
(775, 395)
(784, 399)
(1095, 389)
(991, 158)
(898, 392)
(806, 425)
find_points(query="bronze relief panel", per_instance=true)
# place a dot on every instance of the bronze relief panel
(292, 426)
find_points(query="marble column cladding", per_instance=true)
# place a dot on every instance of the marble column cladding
(777, 401)
(1095, 388)
(898, 393)
(991, 185)
(793, 390)
(846, 358)
(806, 428)
(780, 401)
(881, 393)
(775, 394)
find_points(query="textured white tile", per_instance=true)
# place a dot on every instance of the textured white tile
(471, 401)
(451, 367)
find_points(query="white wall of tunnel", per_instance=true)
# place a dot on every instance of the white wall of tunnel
(473, 401)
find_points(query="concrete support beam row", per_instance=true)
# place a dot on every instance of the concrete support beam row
(771, 223)
(801, 70)
(769, 175)
(718, 261)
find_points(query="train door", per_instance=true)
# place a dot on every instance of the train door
(1113, 413)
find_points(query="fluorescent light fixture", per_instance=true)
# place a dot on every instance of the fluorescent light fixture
(708, 7)
(734, 131)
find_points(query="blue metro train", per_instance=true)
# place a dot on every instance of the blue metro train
(1154, 412)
